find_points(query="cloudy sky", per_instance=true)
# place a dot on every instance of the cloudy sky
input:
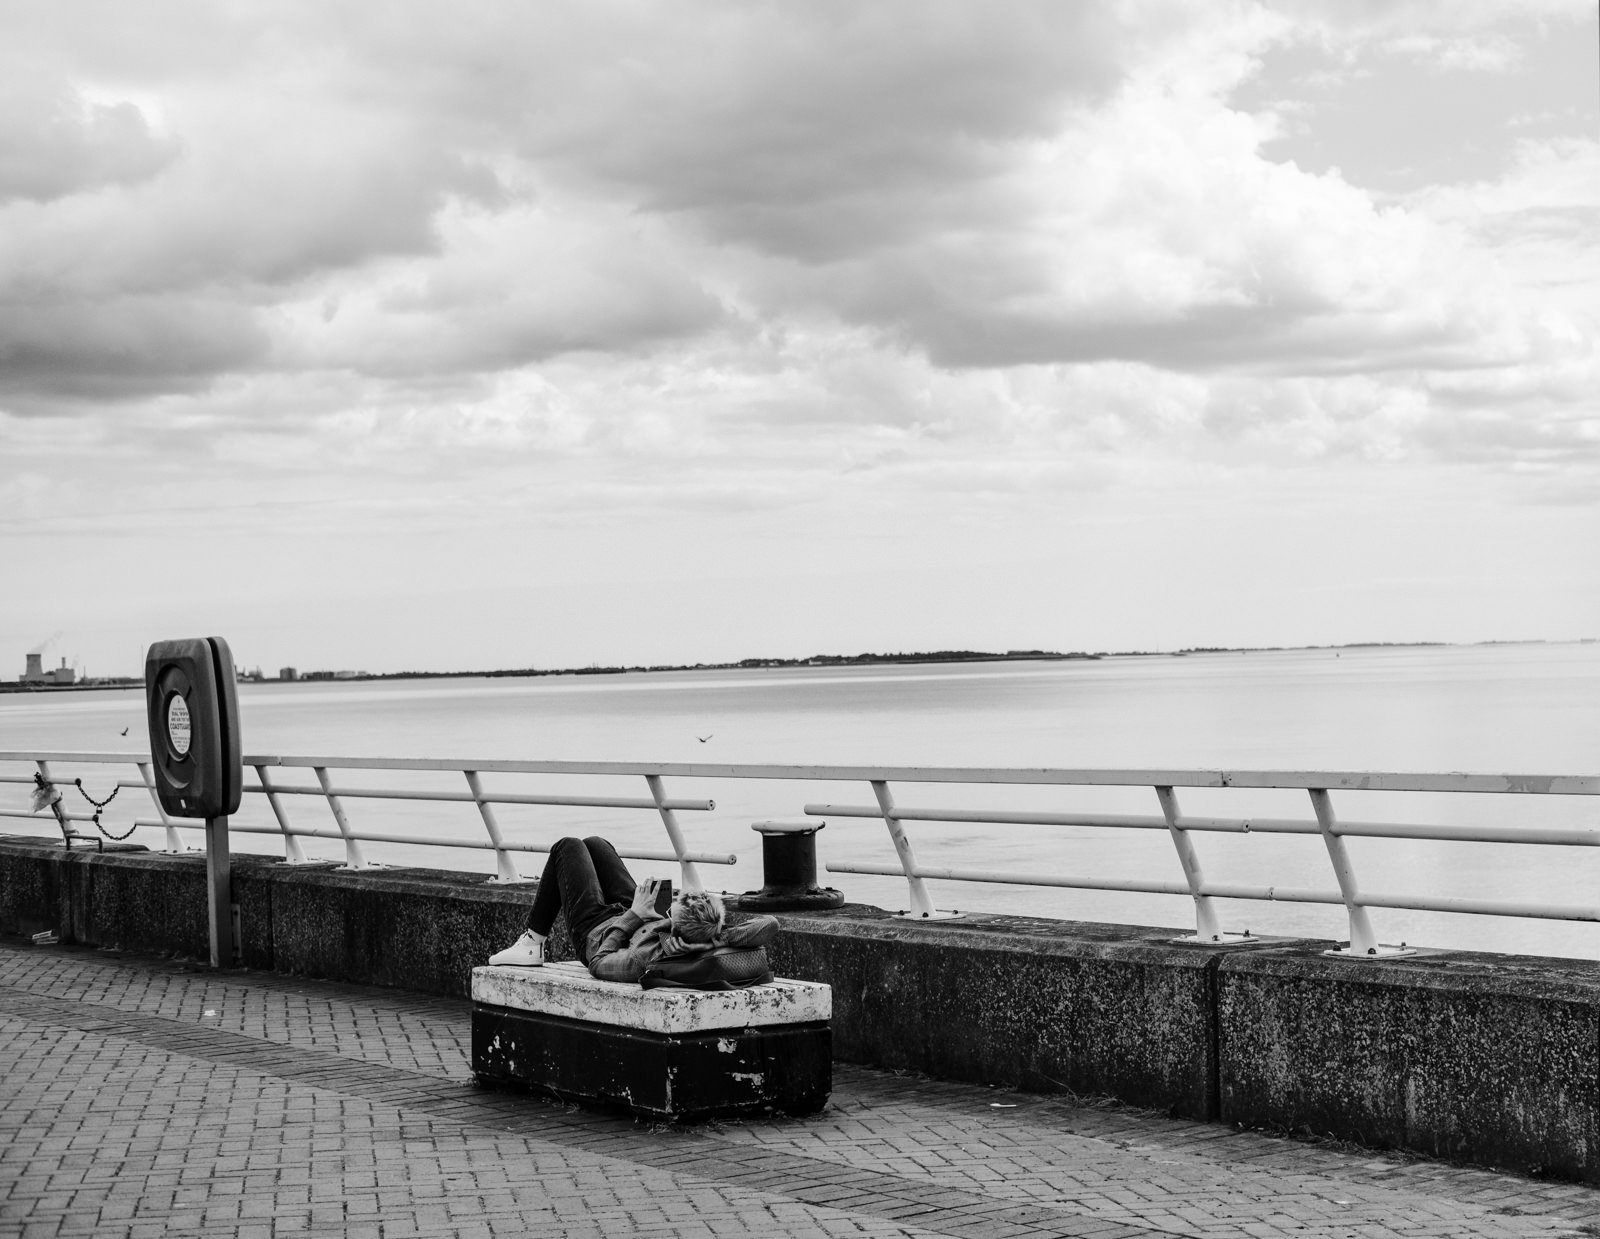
(423, 335)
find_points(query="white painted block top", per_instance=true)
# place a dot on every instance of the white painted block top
(567, 990)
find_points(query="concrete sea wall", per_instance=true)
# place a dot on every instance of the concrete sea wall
(1491, 1059)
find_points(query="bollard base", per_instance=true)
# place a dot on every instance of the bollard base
(818, 899)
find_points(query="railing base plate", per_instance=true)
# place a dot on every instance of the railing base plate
(1377, 952)
(1244, 939)
(931, 916)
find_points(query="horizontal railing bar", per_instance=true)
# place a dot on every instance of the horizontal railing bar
(1135, 886)
(1002, 817)
(92, 759)
(1552, 836)
(1328, 780)
(1484, 907)
(1367, 830)
(46, 819)
(1279, 894)
(1257, 825)
(575, 802)
(375, 793)
(62, 780)
(311, 832)
(1229, 825)
(1331, 780)
(1412, 903)
(1217, 890)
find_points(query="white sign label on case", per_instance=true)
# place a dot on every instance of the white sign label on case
(178, 725)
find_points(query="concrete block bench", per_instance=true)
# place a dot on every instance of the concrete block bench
(665, 1053)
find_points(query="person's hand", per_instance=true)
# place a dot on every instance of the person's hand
(644, 897)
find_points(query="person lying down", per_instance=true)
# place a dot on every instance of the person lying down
(615, 926)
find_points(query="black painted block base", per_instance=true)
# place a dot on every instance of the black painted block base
(718, 1074)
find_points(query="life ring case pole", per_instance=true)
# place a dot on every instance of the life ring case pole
(192, 706)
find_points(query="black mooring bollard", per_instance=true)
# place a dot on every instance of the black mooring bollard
(789, 871)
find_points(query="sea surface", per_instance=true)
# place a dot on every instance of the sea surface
(1499, 709)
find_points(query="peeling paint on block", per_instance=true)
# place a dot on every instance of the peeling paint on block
(786, 1068)
(567, 990)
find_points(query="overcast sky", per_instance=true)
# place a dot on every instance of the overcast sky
(477, 335)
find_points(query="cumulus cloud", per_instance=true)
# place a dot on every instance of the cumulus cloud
(827, 234)
(59, 350)
(507, 289)
(56, 142)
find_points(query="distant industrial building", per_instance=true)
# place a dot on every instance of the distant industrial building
(36, 674)
(288, 673)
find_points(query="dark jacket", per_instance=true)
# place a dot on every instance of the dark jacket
(621, 948)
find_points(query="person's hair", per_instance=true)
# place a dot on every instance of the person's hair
(697, 916)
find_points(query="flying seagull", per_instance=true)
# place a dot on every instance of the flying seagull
(703, 739)
(124, 731)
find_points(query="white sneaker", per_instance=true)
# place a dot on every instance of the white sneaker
(526, 952)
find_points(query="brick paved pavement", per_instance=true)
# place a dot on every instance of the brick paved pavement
(145, 1098)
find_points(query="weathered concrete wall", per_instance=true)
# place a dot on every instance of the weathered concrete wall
(1494, 1059)
(410, 928)
(1109, 1010)
(123, 897)
(1478, 1057)
(414, 929)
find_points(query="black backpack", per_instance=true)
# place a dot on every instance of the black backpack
(723, 967)
(740, 961)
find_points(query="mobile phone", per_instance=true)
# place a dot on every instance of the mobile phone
(664, 895)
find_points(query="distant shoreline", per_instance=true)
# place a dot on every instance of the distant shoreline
(816, 660)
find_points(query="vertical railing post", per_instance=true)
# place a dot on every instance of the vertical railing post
(352, 849)
(174, 844)
(292, 851)
(56, 811)
(690, 875)
(921, 902)
(1207, 928)
(1362, 940)
(505, 871)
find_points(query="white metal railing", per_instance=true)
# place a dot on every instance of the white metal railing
(1181, 828)
(274, 792)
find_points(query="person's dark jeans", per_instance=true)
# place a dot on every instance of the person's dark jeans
(586, 879)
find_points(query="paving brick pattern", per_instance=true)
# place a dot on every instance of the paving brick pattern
(140, 1097)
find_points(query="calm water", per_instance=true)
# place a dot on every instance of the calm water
(1493, 709)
